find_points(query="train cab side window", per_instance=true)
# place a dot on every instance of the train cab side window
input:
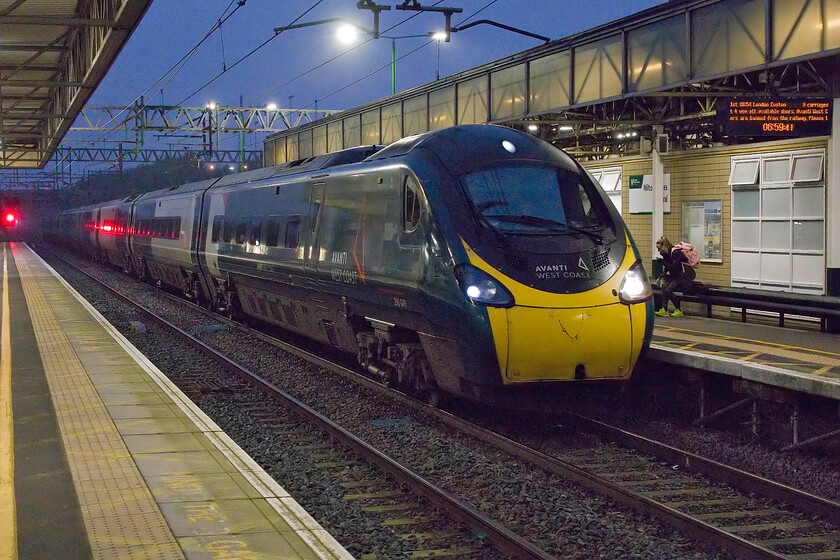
(217, 229)
(241, 227)
(411, 205)
(292, 232)
(227, 230)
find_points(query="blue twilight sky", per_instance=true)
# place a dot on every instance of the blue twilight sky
(296, 62)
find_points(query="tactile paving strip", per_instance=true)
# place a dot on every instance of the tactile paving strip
(803, 360)
(121, 516)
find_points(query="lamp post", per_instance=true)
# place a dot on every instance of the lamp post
(348, 32)
(394, 57)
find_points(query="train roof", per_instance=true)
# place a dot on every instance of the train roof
(118, 201)
(466, 147)
(80, 209)
(313, 163)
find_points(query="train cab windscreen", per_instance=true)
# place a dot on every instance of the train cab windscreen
(535, 200)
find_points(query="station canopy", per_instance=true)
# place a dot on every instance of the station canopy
(53, 54)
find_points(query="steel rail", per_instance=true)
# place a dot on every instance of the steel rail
(692, 462)
(502, 538)
(700, 529)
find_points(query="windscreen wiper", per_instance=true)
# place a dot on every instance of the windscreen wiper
(552, 225)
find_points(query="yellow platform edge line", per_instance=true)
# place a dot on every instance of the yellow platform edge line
(322, 543)
(8, 525)
(673, 330)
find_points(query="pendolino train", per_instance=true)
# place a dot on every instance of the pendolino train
(470, 260)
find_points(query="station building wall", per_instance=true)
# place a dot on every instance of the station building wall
(702, 175)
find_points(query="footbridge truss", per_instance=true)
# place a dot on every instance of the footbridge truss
(662, 71)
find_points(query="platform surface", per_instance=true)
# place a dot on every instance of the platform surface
(101, 456)
(799, 360)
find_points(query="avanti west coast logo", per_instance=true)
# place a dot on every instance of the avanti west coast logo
(563, 271)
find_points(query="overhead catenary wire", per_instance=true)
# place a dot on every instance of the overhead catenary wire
(172, 70)
(217, 26)
(242, 59)
(341, 54)
(321, 98)
(373, 72)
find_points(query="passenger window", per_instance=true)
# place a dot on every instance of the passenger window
(227, 230)
(241, 226)
(411, 205)
(255, 230)
(217, 228)
(292, 232)
(272, 232)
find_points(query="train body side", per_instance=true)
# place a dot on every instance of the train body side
(474, 259)
(113, 221)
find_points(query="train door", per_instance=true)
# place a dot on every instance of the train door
(313, 250)
(97, 231)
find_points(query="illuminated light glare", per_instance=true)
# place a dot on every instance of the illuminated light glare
(438, 35)
(634, 286)
(473, 291)
(232, 168)
(508, 145)
(830, 24)
(212, 167)
(211, 105)
(634, 134)
(650, 67)
(565, 128)
(244, 167)
(533, 127)
(347, 33)
(619, 135)
(271, 106)
(10, 217)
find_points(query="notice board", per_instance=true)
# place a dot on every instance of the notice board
(776, 117)
(641, 194)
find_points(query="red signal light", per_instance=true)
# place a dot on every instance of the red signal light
(10, 218)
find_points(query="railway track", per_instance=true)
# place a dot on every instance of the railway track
(358, 487)
(743, 514)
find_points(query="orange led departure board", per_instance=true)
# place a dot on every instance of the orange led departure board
(776, 117)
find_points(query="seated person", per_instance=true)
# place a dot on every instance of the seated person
(679, 276)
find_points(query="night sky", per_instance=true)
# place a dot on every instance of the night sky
(286, 65)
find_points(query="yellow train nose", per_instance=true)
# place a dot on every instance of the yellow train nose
(578, 343)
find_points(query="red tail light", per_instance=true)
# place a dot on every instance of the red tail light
(10, 218)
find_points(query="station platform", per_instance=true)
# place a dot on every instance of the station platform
(101, 456)
(801, 361)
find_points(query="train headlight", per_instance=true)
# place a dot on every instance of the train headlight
(635, 286)
(482, 288)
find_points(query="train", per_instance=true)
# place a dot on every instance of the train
(472, 260)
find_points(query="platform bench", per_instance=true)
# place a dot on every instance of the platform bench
(783, 303)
